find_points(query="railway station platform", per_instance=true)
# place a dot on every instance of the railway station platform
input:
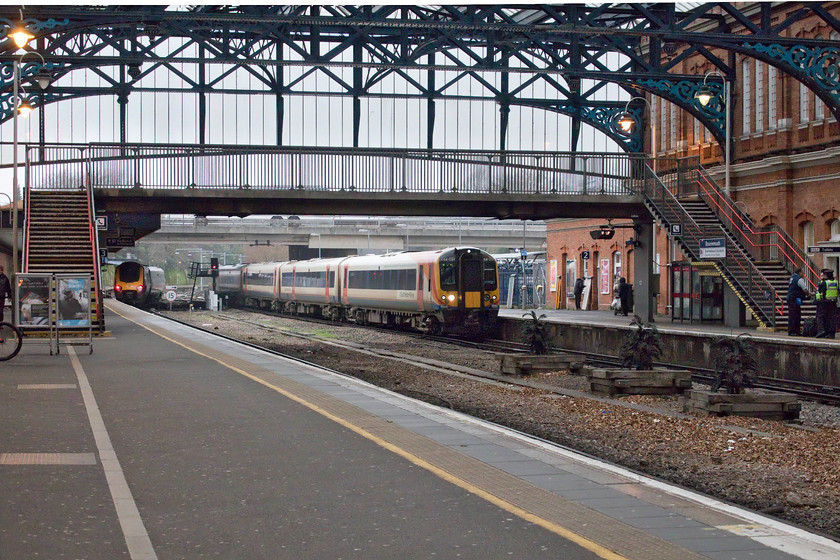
(167, 442)
(797, 359)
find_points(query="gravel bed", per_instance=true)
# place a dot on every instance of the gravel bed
(791, 472)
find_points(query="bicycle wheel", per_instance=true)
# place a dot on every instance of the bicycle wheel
(11, 340)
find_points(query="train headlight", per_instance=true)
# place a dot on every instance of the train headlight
(451, 298)
(486, 297)
(139, 288)
(495, 298)
(117, 288)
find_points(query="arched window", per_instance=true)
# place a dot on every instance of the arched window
(616, 265)
(807, 234)
(834, 228)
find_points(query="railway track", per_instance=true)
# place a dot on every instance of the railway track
(816, 392)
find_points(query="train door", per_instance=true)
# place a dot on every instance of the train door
(420, 285)
(471, 276)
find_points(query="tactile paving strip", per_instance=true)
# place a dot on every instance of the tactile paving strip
(47, 459)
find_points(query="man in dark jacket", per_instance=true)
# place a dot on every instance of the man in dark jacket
(578, 292)
(625, 294)
(5, 290)
(797, 291)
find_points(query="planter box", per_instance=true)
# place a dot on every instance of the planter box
(635, 382)
(525, 364)
(771, 406)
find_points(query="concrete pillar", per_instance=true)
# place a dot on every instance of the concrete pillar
(644, 302)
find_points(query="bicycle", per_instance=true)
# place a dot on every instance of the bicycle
(11, 339)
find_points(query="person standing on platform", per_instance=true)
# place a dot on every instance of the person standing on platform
(5, 290)
(797, 292)
(826, 298)
(624, 295)
(578, 292)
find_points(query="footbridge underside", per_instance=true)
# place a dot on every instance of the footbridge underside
(242, 202)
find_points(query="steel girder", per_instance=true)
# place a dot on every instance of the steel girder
(564, 48)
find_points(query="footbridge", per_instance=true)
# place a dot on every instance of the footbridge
(240, 181)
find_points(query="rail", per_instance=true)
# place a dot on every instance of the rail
(772, 243)
(331, 169)
(759, 294)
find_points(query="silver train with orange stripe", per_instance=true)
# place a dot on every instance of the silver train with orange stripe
(454, 289)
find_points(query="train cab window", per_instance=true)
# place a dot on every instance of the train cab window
(448, 274)
(131, 272)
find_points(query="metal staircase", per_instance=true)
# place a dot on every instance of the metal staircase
(758, 262)
(60, 238)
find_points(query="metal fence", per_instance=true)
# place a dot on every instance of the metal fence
(331, 169)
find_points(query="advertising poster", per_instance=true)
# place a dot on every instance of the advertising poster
(73, 296)
(605, 276)
(552, 275)
(33, 300)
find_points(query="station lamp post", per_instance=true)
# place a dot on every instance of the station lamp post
(627, 122)
(704, 95)
(21, 37)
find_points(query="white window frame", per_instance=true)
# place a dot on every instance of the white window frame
(673, 125)
(759, 96)
(804, 105)
(772, 121)
(746, 101)
(807, 234)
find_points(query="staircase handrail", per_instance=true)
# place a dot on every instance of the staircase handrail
(743, 227)
(94, 241)
(655, 191)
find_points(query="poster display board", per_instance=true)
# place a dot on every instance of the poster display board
(73, 295)
(72, 306)
(33, 300)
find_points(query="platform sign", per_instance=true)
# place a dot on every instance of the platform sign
(714, 248)
(119, 241)
(585, 255)
(823, 249)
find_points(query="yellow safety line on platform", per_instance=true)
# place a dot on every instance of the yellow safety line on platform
(579, 540)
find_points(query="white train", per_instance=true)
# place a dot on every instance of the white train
(451, 289)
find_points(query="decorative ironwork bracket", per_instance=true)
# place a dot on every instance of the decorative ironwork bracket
(682, 93)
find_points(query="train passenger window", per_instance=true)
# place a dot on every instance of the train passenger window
(332, 279)
(420, 273)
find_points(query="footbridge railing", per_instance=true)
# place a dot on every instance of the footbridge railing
(333, 169)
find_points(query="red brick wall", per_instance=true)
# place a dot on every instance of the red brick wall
(566, 239)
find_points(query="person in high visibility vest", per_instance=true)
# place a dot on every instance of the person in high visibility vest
(826, 298)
